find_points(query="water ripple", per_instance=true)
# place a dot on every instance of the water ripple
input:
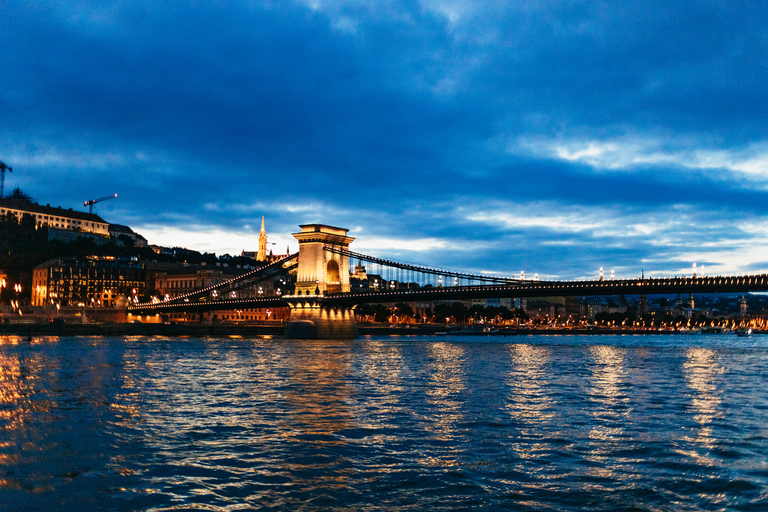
(576, 423)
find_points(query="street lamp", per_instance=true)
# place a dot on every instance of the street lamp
(17, 289)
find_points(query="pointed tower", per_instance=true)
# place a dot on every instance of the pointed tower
(262, 254)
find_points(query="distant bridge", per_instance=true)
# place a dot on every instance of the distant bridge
(315, 284)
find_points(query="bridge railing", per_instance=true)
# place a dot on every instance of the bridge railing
(240, 282)
(412, 272)
(641, 286)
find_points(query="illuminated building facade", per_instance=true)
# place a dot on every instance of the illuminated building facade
(98, 281)
(58, 217)
(179, 281)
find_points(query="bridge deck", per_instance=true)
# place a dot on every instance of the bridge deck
(706, 284)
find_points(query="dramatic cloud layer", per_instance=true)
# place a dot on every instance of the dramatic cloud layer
(550, 137)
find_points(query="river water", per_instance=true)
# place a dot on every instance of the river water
(384, 423)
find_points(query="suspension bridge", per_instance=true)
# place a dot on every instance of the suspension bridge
(321, 292)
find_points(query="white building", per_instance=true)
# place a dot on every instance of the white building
(57, 217)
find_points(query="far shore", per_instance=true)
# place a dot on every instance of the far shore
(276, 330)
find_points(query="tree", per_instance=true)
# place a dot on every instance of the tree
(379, 312)
(455, 310)
(507, 314)
(403, 309)
(478, 312)
(126, 240)
(18, 195)
(22, 247)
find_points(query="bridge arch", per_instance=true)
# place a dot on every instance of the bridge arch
(332, 277)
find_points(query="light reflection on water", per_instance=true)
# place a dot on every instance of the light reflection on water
(529, 398)
(702, 373)
(444, 386)
(532, 423)
(608, 377)
(610, 414)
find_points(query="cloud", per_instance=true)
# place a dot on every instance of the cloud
(213, 239)
(628, 154)
(497, 136)
(405, 245)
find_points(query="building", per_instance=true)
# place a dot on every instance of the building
(174, 280)
(58, 217)
(264, 255)
(544, 309)
(488, 303)
(98, 281)
(181, 279)
(118, 230)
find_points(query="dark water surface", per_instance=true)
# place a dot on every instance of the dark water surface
(388, 423)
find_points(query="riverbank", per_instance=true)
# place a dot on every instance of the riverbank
(125, 329)
(277, 330)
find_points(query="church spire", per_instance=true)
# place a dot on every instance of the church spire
(262, 254)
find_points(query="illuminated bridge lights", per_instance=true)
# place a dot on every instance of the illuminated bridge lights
(201, 294)
(491, 288)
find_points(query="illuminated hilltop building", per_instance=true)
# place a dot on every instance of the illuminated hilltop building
(57, 218)
(68, 224)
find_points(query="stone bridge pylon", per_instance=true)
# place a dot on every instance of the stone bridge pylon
(320, 272)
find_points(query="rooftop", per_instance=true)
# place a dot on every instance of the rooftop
(49, 210)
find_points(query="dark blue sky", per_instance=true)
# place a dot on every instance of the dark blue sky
(550, 137)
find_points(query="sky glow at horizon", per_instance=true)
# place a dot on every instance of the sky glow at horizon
(488, 136)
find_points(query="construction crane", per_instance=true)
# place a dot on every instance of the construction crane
(3, 168)
(92, 202)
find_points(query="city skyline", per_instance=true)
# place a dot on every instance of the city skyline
(497, 136)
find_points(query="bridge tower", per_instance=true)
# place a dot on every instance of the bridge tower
(320, 270)
(320, 273)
